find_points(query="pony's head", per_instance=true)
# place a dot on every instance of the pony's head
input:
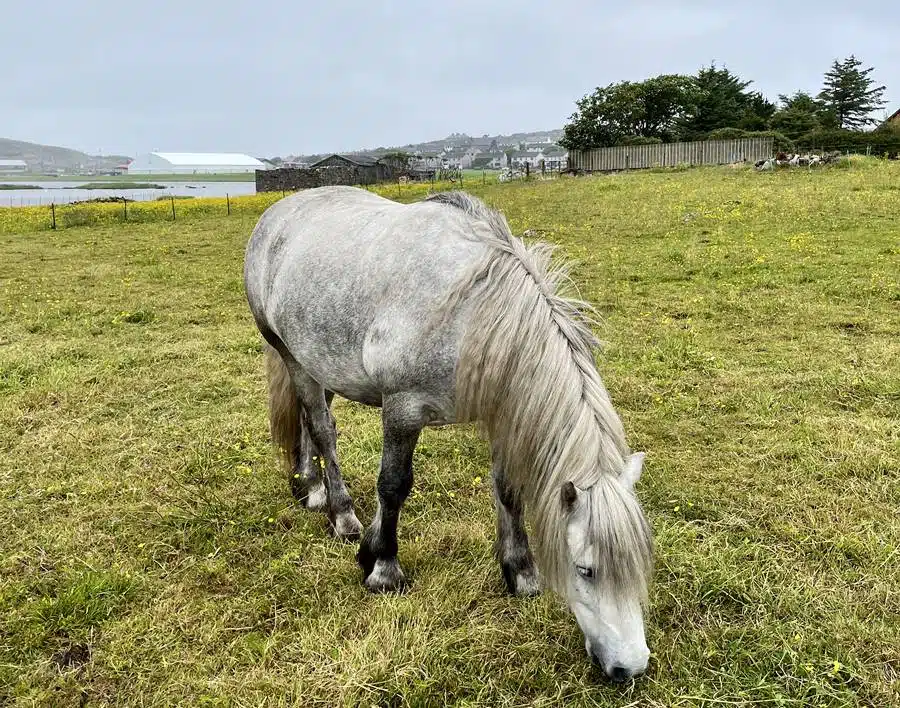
(607, 565)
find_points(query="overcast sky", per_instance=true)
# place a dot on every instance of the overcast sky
(271, 78)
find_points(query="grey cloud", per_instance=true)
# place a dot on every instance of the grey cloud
(304, 77)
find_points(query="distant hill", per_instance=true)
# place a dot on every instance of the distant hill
(49, 158)
(456, 140)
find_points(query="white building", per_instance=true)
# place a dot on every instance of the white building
(192, 163)
(13, 166)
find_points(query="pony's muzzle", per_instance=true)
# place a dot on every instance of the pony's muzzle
(619, 672)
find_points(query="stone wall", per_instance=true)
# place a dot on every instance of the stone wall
(293, 178)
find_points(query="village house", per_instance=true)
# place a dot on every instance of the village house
(553, 158)
(426, 161)
(489, 161)
(532, 158)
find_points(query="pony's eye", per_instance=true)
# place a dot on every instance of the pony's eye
(585, 571)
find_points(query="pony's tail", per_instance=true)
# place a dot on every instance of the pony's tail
(284, 409)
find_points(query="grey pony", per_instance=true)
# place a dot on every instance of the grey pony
(437, 314)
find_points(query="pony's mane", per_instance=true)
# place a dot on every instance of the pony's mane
(526, 371)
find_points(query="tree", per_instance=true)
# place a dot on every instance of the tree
(799, 114)
(593, 124)
(849, 94)
(721, 102)
(649, 108)
(758, 111)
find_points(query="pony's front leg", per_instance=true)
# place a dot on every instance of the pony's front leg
(511, 545)
(378, 551)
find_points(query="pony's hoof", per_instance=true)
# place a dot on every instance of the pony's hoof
(386, 576)
(527, 584)
(347, 527)
(522, 580)
(316, 499)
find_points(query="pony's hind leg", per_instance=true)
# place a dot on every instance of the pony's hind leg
(290, 433)
(322, 432)
(305, 478)
(305, 475)
(378, 551)
(511, 545)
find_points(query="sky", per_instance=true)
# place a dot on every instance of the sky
(301, 77)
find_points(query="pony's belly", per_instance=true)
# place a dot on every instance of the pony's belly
(367, 398)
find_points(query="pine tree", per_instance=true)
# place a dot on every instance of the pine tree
(722, 101)
(848, 93)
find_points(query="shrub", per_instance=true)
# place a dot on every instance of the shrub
(728, 134)
(781, 142)
(639, 140)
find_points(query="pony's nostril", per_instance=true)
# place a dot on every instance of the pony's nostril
(619, 674)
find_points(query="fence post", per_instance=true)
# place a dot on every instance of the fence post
(125, 207)
(53, 216)
(172, 200)
(228, 203)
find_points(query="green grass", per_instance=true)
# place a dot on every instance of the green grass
(19, 186)
(151, 554)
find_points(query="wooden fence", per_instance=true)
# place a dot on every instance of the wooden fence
(701, 152)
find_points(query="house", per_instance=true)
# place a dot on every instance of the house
(530, 157)
(452, 158)
(427, 161)
(893, 119)
(469, 156)
(489, 161)
(555, 158)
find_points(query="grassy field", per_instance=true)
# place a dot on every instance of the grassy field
(150, 553)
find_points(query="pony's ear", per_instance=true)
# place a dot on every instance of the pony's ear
(569, 495)
(634, 465)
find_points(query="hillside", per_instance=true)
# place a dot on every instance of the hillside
(50, 158)
(455, 140)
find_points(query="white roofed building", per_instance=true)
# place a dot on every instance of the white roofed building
(13, 166)
(192, 163)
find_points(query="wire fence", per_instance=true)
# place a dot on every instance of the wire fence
(126, 210)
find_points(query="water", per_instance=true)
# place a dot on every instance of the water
(55, 192)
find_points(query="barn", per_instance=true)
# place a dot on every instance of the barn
(13, 166)
(362, 169)
(194, 163)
